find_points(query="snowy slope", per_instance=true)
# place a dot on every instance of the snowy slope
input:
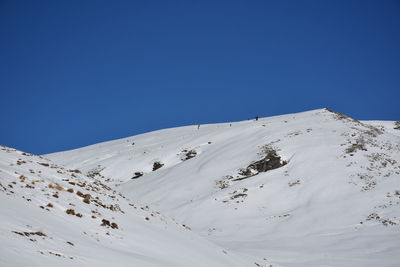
(55, 216)
(335, 202)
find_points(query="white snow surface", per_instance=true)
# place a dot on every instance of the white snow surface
(335, 203)
(35, 229)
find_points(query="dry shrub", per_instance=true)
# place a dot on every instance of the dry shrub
(30, 233)
(75, 171)
(56, 186)
(70, 211)
(105, 222)
(86, 198)
(20, 162)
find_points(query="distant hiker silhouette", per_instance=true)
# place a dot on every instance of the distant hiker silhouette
(256, 118)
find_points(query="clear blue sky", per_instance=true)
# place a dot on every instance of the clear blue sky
(73, 73)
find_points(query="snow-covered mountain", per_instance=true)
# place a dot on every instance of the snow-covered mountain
(54, 216)
(309, 189)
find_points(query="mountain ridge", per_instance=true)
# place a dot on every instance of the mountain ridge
(314, 188)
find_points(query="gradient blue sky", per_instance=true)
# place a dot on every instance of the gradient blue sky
(74, 73)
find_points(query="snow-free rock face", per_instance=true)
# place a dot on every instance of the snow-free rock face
(56, 216)
(309, 189)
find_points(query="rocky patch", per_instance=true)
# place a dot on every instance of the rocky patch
(137, 175)
(397, 125)
(270, 162)
(157, 165)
